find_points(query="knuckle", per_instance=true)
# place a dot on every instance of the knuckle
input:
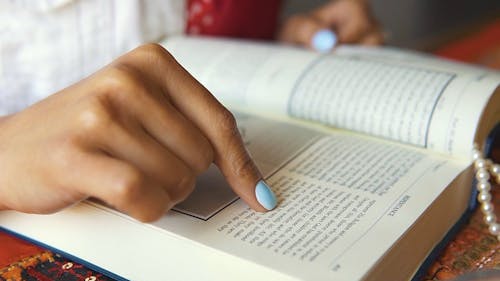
(94, 118)
(64, 152)
(154, 52)
(227, 123)
(206, 159)
(233, 150)
(128, 186)
(185, 186)
(152, 214)
(187, 181)
(152, 48)
(123, 84)
(118, 77)
(149, 217)
(243, 166)
(122, 81)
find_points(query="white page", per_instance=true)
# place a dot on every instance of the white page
(270, 143)
(337, 195)
(243, 74)
(403, 96)
(458, 108)
(326, 223)
(341, 193)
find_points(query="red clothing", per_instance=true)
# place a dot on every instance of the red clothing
(233, 18)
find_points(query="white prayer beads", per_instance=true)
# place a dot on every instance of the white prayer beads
(485, 167)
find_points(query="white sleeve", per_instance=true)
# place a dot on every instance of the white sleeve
(48, 45)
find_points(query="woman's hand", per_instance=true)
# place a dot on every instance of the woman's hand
(351, 21)
(134, 135)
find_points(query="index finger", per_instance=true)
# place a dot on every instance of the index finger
(197, 104)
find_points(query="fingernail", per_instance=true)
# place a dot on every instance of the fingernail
(324, 40)
(265, 195)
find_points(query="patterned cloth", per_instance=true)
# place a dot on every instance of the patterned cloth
(472, 249)
(21, 260)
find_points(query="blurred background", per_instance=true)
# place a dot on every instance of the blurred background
(422, 24)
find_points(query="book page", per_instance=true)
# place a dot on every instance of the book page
(413, 99)
(243, 74)
(271, 144)
(343, 201)
(385, 92)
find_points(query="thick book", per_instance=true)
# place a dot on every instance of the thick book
(367, 149)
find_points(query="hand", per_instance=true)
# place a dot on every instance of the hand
(135, 135)
(350, 20)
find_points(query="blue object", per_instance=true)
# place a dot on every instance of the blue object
(265, 196)
(324, 40)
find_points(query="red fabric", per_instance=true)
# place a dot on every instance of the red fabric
(233, 18)
(473, 48)
(14, 249)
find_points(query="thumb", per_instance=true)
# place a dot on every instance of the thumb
(309, 32)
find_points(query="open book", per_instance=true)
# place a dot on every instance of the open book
(367, 149)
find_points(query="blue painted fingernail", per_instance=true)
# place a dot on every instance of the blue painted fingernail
(265, 195)
(324, 40)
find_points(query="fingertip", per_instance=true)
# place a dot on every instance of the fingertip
(265, 196)
(324, 40)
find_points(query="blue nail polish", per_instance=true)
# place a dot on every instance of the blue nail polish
(324, 40)
(265, 195)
